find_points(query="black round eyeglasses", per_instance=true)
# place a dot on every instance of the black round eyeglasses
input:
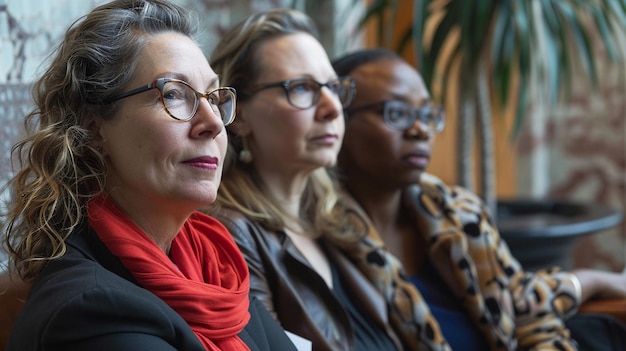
(401, 115)
(303, 93)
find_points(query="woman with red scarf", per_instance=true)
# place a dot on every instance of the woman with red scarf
(125, 143)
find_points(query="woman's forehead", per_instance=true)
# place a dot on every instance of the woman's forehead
(176, 54)
(297, 54)
(388, 76)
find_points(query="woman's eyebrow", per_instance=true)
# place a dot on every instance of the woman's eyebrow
(171, 74)
(214, 83)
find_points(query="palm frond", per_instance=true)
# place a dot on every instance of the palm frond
(523, 37)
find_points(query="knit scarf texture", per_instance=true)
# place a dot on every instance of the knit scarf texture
(205, 278)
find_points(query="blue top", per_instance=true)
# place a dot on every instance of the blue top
(455, 324)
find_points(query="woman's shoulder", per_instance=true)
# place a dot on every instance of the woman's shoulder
(433, 187)
(228, 215)
(79, 278)
(431, 184)
(75, 297)
(251, 236)
(237, 223)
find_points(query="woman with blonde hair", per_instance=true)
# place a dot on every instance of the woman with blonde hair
(126, 142)
(276, 197)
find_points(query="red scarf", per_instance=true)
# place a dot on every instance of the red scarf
(205, 279)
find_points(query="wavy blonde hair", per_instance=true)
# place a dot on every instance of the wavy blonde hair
(235, 60)
(59, 166)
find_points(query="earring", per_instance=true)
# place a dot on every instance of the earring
(99, 149)
(245, 155)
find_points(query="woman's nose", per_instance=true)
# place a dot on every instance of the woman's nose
(209, 122)
(419, 130)
(329, 105)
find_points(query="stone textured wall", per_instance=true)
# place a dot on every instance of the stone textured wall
(29, 30)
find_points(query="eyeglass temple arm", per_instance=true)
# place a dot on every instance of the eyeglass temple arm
(133, 92)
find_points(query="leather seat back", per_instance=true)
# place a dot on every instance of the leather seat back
(12, 295)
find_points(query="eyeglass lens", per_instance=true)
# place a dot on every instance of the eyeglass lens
(181, 101)
(304, 93)
(399, 115)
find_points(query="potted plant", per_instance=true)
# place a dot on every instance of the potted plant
(505, 48)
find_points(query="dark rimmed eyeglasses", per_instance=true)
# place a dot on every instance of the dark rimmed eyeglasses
(303, 93)
(181, 101)
(400, 115)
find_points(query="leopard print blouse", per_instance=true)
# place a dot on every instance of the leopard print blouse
(515, 310)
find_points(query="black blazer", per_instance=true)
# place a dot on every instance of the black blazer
(87, 300)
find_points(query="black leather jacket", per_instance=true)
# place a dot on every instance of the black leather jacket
(295, 294)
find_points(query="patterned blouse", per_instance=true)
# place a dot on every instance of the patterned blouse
(514, 309)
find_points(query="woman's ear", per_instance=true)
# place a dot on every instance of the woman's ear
(240, 125)
(93, 123)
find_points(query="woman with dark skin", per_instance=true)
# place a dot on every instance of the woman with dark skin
(464, 285)
(125, 143)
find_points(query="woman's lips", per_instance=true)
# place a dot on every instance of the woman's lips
(326, 139)
(418, 159)
(204, 162)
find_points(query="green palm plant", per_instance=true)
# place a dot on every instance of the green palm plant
(535, 43)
